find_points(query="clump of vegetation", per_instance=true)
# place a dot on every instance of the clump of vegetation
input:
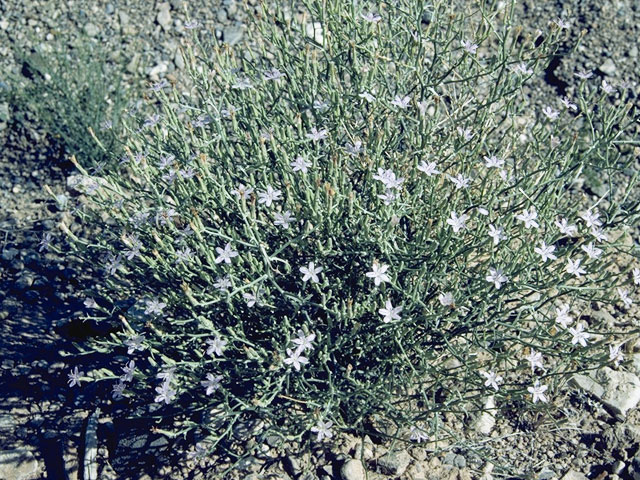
(65, 90)
(362, 219)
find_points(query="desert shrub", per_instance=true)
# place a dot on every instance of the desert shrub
(363, 217)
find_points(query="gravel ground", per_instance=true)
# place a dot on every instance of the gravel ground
(44, 424)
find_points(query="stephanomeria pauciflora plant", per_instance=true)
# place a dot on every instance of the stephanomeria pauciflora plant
(362, 217)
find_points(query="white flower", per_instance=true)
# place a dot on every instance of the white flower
(608, 89)
(460, 181)
(624, 296)
(615, 354)
(310, 272)
(316, 135)
(128, 371)
(535, 359)
(74, 377)
(371, 17)
(591, 218)
(562, 24)
(231, 110)
(45, 242)
(167, 373)
(367, 96)
(154, 306)
(550, 113)
(598, 234)
(446, 299)
(465, 133)
(401, 102)
(567, 103)
(636, 276)
(584, 75)
(389, 312)
(223, 283)
(283, 219)
(579, 335)
(216, 346)
(562, 316)
(90, 303)
(165, 393)
(250, 298)
(242, 84)
(388, 197)
(545, 251)
(457, 223)
(574, 268)
(300, 165)
(269, 196)
(135, 343)
(591, 250)
(418, 434)
(538, 392)
(211, 383)
(497, 233)
(428, 169)
(493, 162)
(184, 255)
(323, 430)
(378, 273)
(529, 218)
(354, 148)
(117, 390)
(304, 341)
(295, 358)
(522, 68)
(388, 177)
(565, 228)
(321, 106)
(493, 379)
(469, 46)
(225, 255)
(497, 277)
(273, 74)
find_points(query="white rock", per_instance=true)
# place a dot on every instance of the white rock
(91, 30)
(608, 67)
(394, 463)
(635, 363)
(178, 59)
(587, 384)
(364, 448)
(618, 391)
(622, 390)
(486, 421)
(18, 464)
(164, 15)
(573, 475)
(123, 17)
(154, 73)
(352, 470)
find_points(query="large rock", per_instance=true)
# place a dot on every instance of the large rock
(573, 475)
(618, 391)
(353, 470)
(394, 463)
(18, 464)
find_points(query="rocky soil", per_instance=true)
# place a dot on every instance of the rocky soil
(47, 430)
